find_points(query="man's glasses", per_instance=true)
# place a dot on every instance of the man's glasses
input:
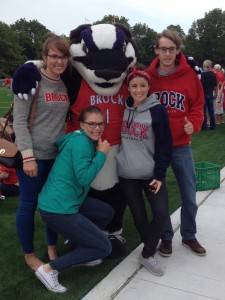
(55, 57)
(93, 125)
(170, 49)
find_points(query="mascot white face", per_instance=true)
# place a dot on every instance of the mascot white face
(103, 54)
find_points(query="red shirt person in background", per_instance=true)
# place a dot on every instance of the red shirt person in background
(9, 182)
(8, 85)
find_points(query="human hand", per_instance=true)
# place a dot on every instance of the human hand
(188, 127)
(103, 146)
(155, 186)
(30, 168)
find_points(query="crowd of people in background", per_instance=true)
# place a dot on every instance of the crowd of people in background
(212, 79)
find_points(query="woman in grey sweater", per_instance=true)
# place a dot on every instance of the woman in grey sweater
(38, 147)
(142, 162)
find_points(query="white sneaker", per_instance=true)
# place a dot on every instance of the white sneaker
(92, 263)
(151, 265)
(50, 280)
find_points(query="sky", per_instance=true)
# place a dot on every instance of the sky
(62, 16)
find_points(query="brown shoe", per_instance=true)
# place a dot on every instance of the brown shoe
(165, 248)
(194, 246)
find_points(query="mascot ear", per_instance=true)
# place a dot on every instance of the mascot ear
(125, 29)
(193, 63)
(75, 34)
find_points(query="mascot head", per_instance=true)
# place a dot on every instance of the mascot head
(103, 54)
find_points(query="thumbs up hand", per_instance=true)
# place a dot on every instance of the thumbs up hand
(188, 127)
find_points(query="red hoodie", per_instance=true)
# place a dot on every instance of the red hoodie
(182, 95)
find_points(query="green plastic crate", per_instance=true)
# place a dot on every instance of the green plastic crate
(207, 176)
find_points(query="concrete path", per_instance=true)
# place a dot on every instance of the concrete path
(187, 276)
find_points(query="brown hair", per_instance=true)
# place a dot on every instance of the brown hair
(89, 110)
(169, 34)
(57, 42)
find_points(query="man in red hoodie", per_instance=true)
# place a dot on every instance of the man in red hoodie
(180, 91)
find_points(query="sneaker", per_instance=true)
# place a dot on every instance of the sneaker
(165, 248)
(92, 263)
(194, 246)
(151, 265)
(50, 280)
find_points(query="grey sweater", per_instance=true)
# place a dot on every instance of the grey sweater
(49, 119)
(146, 146)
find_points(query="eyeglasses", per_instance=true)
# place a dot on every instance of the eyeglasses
(55, 57)
(93, 125)
(170, 49)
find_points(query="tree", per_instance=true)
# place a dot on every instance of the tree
(144, 38)
(111, 19)
(10, 50)
(206, 37)
(179, 30)
(31, 37)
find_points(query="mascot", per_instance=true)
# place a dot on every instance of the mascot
(101, 56)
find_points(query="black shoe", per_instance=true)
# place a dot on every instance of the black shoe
(165, 248)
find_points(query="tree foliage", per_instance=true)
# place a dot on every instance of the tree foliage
(10, 51)
(31, 37)
(111, 19)
(144, 38)
(206, 37)
(23, 40)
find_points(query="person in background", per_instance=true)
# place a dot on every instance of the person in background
(38, 147)
(142, 162)
(180, 91)
(64, 204)
(219, 104)
(9, 185)
(8, 85)
(209, 83)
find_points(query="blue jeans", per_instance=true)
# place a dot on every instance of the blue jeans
(183, 167)
(83, 229)
(208, 105)
(30, 187)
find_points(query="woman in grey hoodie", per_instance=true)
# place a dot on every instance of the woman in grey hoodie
(142, 163)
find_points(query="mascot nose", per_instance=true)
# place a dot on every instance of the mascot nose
(107, 74)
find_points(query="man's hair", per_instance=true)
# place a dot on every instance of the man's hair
(169, 34)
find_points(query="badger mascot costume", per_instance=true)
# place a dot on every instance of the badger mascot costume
(101, 56)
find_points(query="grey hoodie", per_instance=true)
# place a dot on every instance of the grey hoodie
(137, 156)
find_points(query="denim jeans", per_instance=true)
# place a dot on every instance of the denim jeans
(83, 229)
(208, 106)
(183, 167)
(29, 190)
(149, 231)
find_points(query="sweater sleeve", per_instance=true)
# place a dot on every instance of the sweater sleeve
(163, 141)
(86, 163)
(21, 113)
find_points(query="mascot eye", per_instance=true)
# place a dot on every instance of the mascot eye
(84, 48)
(124, 47)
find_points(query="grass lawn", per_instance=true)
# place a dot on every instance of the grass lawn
(19, 282)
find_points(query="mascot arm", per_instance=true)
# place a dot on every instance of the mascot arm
(194, 65)
(25, 79)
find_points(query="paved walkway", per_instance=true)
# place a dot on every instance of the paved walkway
(187, 276)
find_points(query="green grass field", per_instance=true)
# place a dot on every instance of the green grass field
(19, 282)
